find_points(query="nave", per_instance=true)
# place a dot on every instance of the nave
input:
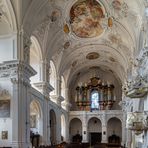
(74, 72)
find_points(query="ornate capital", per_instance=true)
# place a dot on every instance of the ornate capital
(26, 45)
(16, 71)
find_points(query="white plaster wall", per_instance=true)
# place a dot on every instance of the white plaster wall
(35, 63)
(75, 127)
(94, 125)
(6, 123)
(7, 49)
(114, 125)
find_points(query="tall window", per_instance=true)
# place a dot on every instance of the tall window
(94, 100)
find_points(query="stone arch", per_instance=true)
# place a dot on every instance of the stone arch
(53, 77)
(35, 59)
(53, 124)
(8, 19)
(63, 128)
(90, 117)
(94, 127)
(113, 116)
(75, 129)
(36, 119)
(114, 127)
(8, 32)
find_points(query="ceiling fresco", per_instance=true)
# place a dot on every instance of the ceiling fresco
(85, 18)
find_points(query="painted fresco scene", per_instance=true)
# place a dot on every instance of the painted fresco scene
(85, 18)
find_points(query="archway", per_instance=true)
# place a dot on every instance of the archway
(114, 130)
(63, 128)
(53, 127)
(75, 130)
(8, 29)
(36, 123)
(35, 59)
(94, 130)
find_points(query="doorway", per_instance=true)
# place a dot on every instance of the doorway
(95, 138)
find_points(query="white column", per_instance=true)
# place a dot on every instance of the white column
(45, 139)
(124, 130)
(15, 116)
(58, 127)
(67, 138)
(84, 129)
(104, 134)
(129, 139)
(45, 88)
(45, 67)
(20, 115)
(104, 130)
(58, 91)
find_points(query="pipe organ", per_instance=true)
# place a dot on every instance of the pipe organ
(103, 99)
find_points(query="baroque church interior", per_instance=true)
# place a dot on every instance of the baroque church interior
(74, 73)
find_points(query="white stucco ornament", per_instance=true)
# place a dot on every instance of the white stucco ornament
(137, 122)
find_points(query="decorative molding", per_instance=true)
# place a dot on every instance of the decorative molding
(26, 45)
(16, 70)
(125, 104)
(138, 86)
(44, 87)
(137, 121)
(66, 105)
(4, 14)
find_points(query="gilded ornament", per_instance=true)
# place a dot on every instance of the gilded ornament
(110, 22)
(66, 28)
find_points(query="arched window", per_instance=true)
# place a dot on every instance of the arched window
(94, 100)
(35, 59)
(53, 77)
(62, 87)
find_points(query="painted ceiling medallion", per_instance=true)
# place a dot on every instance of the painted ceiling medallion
(92, 55)
(85, 18)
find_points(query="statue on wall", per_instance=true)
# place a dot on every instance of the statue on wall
(4, 103)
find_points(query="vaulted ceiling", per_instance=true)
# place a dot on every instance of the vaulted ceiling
(110, 29)
(73, 32)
